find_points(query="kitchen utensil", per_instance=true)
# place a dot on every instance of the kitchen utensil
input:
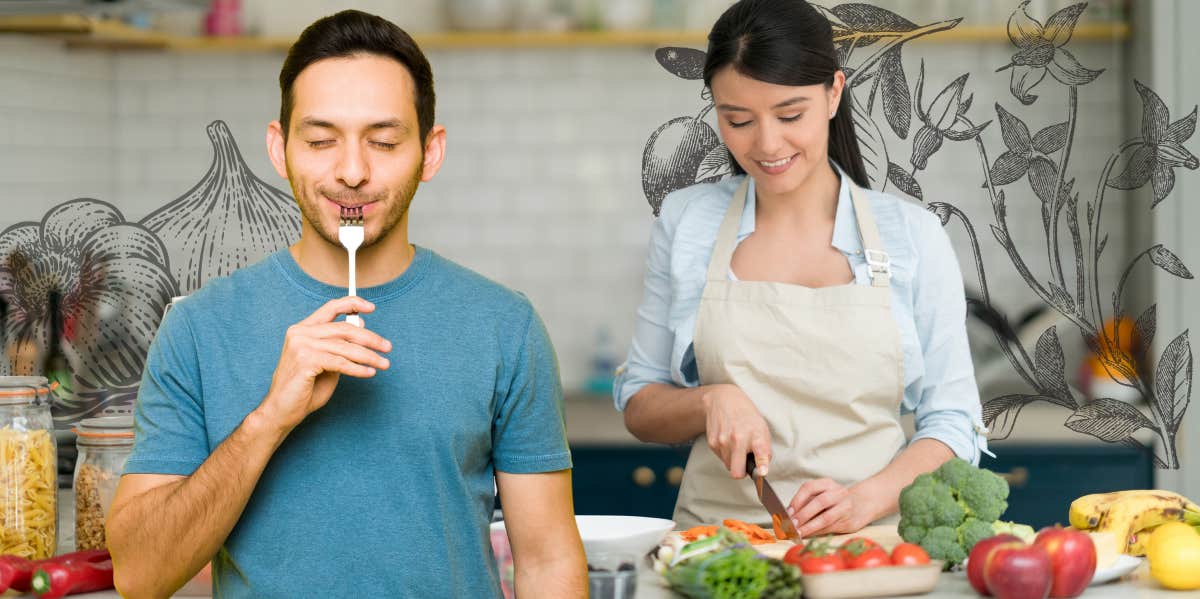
(770, 500)
(350, 234)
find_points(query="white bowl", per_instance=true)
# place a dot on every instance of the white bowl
(635, 535)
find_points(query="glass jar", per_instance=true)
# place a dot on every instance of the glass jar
(104, 444)
(28, 468)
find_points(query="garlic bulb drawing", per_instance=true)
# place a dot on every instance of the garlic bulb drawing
(230, 219)
(113, 279)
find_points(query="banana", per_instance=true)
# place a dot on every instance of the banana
(1136, 512)
(1087, 511)
(1137, 542)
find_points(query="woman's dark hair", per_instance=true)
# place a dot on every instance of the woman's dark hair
(353, 32)
(786, 42)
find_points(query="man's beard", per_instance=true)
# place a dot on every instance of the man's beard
(310, 207)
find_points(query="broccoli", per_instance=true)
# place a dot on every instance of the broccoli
(942, 543)
(972, 531)
(955, 505)
(928, 502)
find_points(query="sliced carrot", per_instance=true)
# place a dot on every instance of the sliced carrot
(697, 532)
(754, 533)
(777, 525)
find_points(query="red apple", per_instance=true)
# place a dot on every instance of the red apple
(1018, 571)
(1072, 558)
(978, 558)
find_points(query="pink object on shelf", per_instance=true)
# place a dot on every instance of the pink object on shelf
(224, 18)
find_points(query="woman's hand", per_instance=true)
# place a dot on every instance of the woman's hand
(734, 427)
(822, 506)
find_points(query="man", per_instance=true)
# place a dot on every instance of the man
(364, 465)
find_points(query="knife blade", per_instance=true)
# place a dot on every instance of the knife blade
(769, 500)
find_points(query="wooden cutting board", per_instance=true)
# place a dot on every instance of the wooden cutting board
(884, 534)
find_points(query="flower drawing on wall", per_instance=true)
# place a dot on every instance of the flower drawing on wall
(1032, 166)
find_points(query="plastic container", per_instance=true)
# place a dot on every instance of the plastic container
(28, 469)
(104, 444)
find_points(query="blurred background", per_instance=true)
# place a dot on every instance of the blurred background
(554, 107)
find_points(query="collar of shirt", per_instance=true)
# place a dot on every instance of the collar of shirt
(846, 237)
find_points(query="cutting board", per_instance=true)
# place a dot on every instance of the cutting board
(884, 534)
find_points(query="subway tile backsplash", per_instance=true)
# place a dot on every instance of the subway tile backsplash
(541, 186)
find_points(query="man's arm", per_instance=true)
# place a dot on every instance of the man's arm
(547, 551)
(162, 529)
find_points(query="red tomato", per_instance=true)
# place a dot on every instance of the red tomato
(854, 546)
(909, 554)
(871, 558)
(815, 560)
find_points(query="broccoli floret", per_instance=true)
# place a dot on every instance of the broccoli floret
(910, 532)
(984, 495)
(942, 543)
(956, 472)
(928, 503)
(972, 531)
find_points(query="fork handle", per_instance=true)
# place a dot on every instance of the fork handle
(353, 319)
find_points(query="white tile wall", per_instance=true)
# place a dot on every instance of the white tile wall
(541, 187)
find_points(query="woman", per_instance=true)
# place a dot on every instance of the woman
(791, 313)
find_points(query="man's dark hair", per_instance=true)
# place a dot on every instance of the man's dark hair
(350, 33)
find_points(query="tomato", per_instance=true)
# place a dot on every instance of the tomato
(871, 558)
(815, 558)
(909, 554)
(856, 545)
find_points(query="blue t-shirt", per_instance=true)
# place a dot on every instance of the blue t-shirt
(387, 490)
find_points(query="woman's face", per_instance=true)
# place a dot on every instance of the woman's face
(778, 133)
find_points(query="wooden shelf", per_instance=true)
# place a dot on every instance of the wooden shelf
(82, 31)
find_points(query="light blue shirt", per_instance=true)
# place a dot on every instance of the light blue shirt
(928, 304)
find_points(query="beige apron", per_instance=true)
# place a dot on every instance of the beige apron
(824, 367)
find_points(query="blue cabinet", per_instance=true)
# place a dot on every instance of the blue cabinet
(643, 480)
(1045, 479)
(638, 480)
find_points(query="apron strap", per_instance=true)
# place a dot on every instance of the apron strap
(878, 262)
(726, 243)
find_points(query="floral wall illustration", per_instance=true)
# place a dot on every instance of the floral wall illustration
(1033, 166)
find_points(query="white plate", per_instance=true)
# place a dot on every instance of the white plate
(1124, 565)
(633, 535)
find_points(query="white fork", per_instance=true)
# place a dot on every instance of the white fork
(350, 234)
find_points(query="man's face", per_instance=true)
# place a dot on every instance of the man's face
(354, 141)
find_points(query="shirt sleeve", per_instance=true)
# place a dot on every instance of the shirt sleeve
(170, 436)
(529, 433)
(948, 407)
(649, 359)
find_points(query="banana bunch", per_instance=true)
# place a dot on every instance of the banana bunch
(1130, 516)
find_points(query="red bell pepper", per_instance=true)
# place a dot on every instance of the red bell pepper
(79, 572)
(15, 573)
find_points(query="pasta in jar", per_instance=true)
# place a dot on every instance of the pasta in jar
(28, 470)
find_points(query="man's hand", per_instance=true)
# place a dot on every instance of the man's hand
(734, 427)
(316, 351)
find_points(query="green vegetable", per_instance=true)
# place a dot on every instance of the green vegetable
(1024, 532)
(728, 574)
(724, 567)
(950, 509)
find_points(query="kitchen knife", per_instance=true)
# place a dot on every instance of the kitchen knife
(767, 496)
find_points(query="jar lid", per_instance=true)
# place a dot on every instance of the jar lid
(24, 389)
(105, 427)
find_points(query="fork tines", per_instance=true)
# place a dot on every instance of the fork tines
(351, 217)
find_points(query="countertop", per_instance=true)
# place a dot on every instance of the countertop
(1137, 585)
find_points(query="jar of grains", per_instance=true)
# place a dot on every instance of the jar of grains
(28, 468)
(104, 444)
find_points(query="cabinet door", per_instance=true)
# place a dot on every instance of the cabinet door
(629, 481)
(1045, 479)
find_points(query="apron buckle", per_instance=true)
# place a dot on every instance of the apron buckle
(879, 262)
